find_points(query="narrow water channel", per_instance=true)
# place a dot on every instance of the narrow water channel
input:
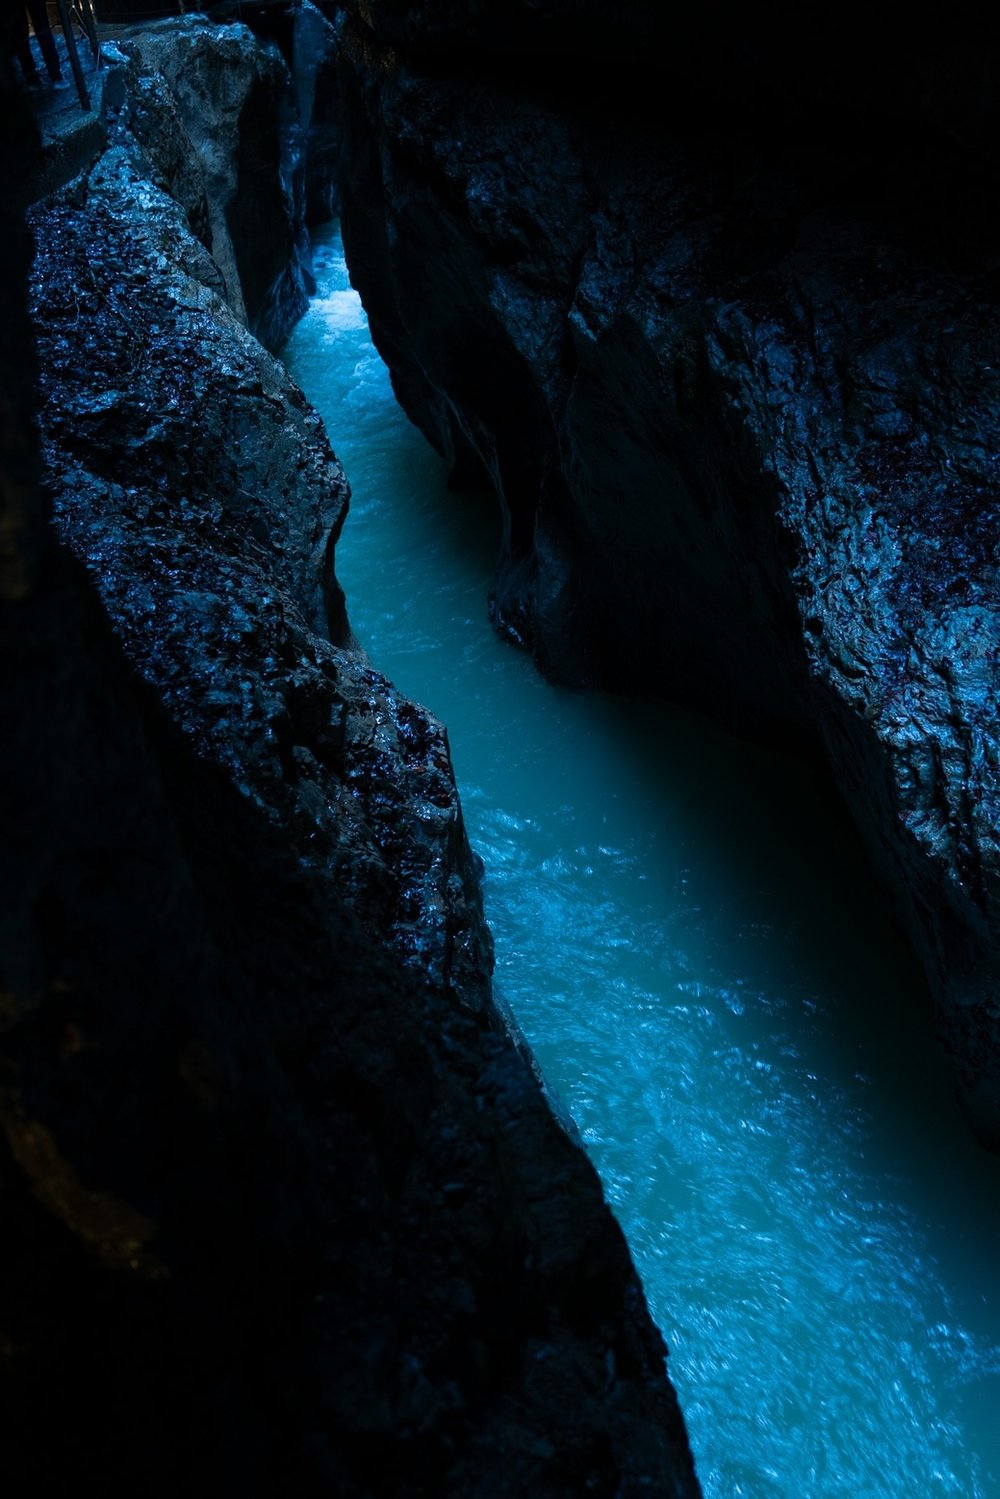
(687, 934)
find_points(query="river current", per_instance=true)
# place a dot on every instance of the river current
(688, 936)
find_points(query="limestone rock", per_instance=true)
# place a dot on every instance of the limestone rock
(247, 123)
(283, 1208)
(190, 475)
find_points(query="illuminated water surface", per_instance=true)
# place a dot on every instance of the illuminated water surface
(688, 937)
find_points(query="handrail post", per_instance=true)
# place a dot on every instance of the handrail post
(88, 20)
(74, 56)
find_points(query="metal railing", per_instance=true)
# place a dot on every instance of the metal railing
(82, 13)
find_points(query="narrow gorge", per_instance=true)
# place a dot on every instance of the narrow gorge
(292, 1202)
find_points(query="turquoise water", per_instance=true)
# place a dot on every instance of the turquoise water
(686, 933)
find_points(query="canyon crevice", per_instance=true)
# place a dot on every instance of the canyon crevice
(285, 1205)
(713, 315)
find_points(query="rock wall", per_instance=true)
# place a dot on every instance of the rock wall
(238, 113)
(284, 1210)
(712, 309)
(251, 148)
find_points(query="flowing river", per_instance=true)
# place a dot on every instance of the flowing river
(687, 934)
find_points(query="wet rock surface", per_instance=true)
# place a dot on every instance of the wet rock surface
(261, 139)
(284, 1209)
(190, 475)
(727, 352)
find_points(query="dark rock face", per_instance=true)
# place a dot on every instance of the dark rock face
(284, 1209)
(316, 45)
(261, 142)
(191, 477)
(733, 376)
